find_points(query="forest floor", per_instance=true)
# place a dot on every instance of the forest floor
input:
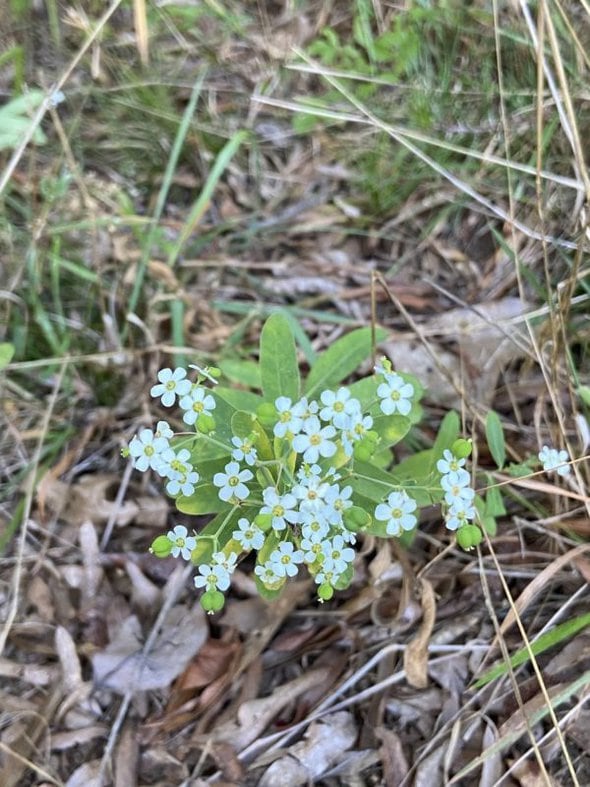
(170, 175)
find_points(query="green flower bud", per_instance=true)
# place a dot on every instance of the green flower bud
(212, 601)
(461, 448)
(161, 546)
(214, 372)
(267, 414)
(362, 451)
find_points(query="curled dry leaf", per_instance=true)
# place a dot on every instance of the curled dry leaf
(416, 654)
(123, 666)
(326, 743)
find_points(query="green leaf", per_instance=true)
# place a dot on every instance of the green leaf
(6, 353)
(495, 438)
(341, 359)
(238, 400)
(391, 428)
(447, 434)
(244, 424)
(279, 370)
(553, 637)
(242, 372)
(494, 503)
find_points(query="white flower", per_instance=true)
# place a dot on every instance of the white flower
(395, 395)
(397, 512)
(449, 463)
(314, 527)
(163, 430)
(232, 482)
(244, 451)
(197, 402)
(553, 459)
(336, 556)
(146, 450)
(358, 428)
(249, 535)
(284, 560)
(266, 574)
(174, 465)
(282, 508)
(337, 502)
(172, 384)
(312, 489)
(460, 513)
(455, 486)
(304, 409)
(288, 421)
(339, 407)
(182, 543)
(183, 484)
(212, 577)
(314, 441)
(312, 549)
(228, 562)
(327, 577)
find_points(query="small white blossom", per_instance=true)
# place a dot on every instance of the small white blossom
(212, 577)
(182, 543)
(183, 484)
(337, 501)
(455, 486)
(196, 403)
(146, 450)
(284, 560)
(339, 408)
(397, 512)
(314, 440)
(314, 527)
(172, 384)
(248, 535)
(163, 430)
(267, 575)
(304, 409)
(228, 562)
(231, 482)
(288, 421)
(395, 395)
(244, 451)
(311, 490)
(312, 549)
(460, 513)
(337, 557)
(358, 428)
(281, 507)
(553, 459)
(449, 463)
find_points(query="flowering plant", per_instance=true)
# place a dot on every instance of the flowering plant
(296, 473)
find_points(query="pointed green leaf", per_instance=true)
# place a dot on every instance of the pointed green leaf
(279, 370)
(6, 353)
(341, 359)
(495, 438)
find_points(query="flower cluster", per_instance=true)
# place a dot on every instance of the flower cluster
(298, 510)
(458, 494)
(552, 459)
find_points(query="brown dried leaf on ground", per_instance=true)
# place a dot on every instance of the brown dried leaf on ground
(122, 665)
(488, 338)
(325, 744)
(92, 498)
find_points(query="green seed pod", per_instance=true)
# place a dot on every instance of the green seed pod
(461, 448)
(325, 592)
(212, 601)
(161, 546)
(205, 424)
